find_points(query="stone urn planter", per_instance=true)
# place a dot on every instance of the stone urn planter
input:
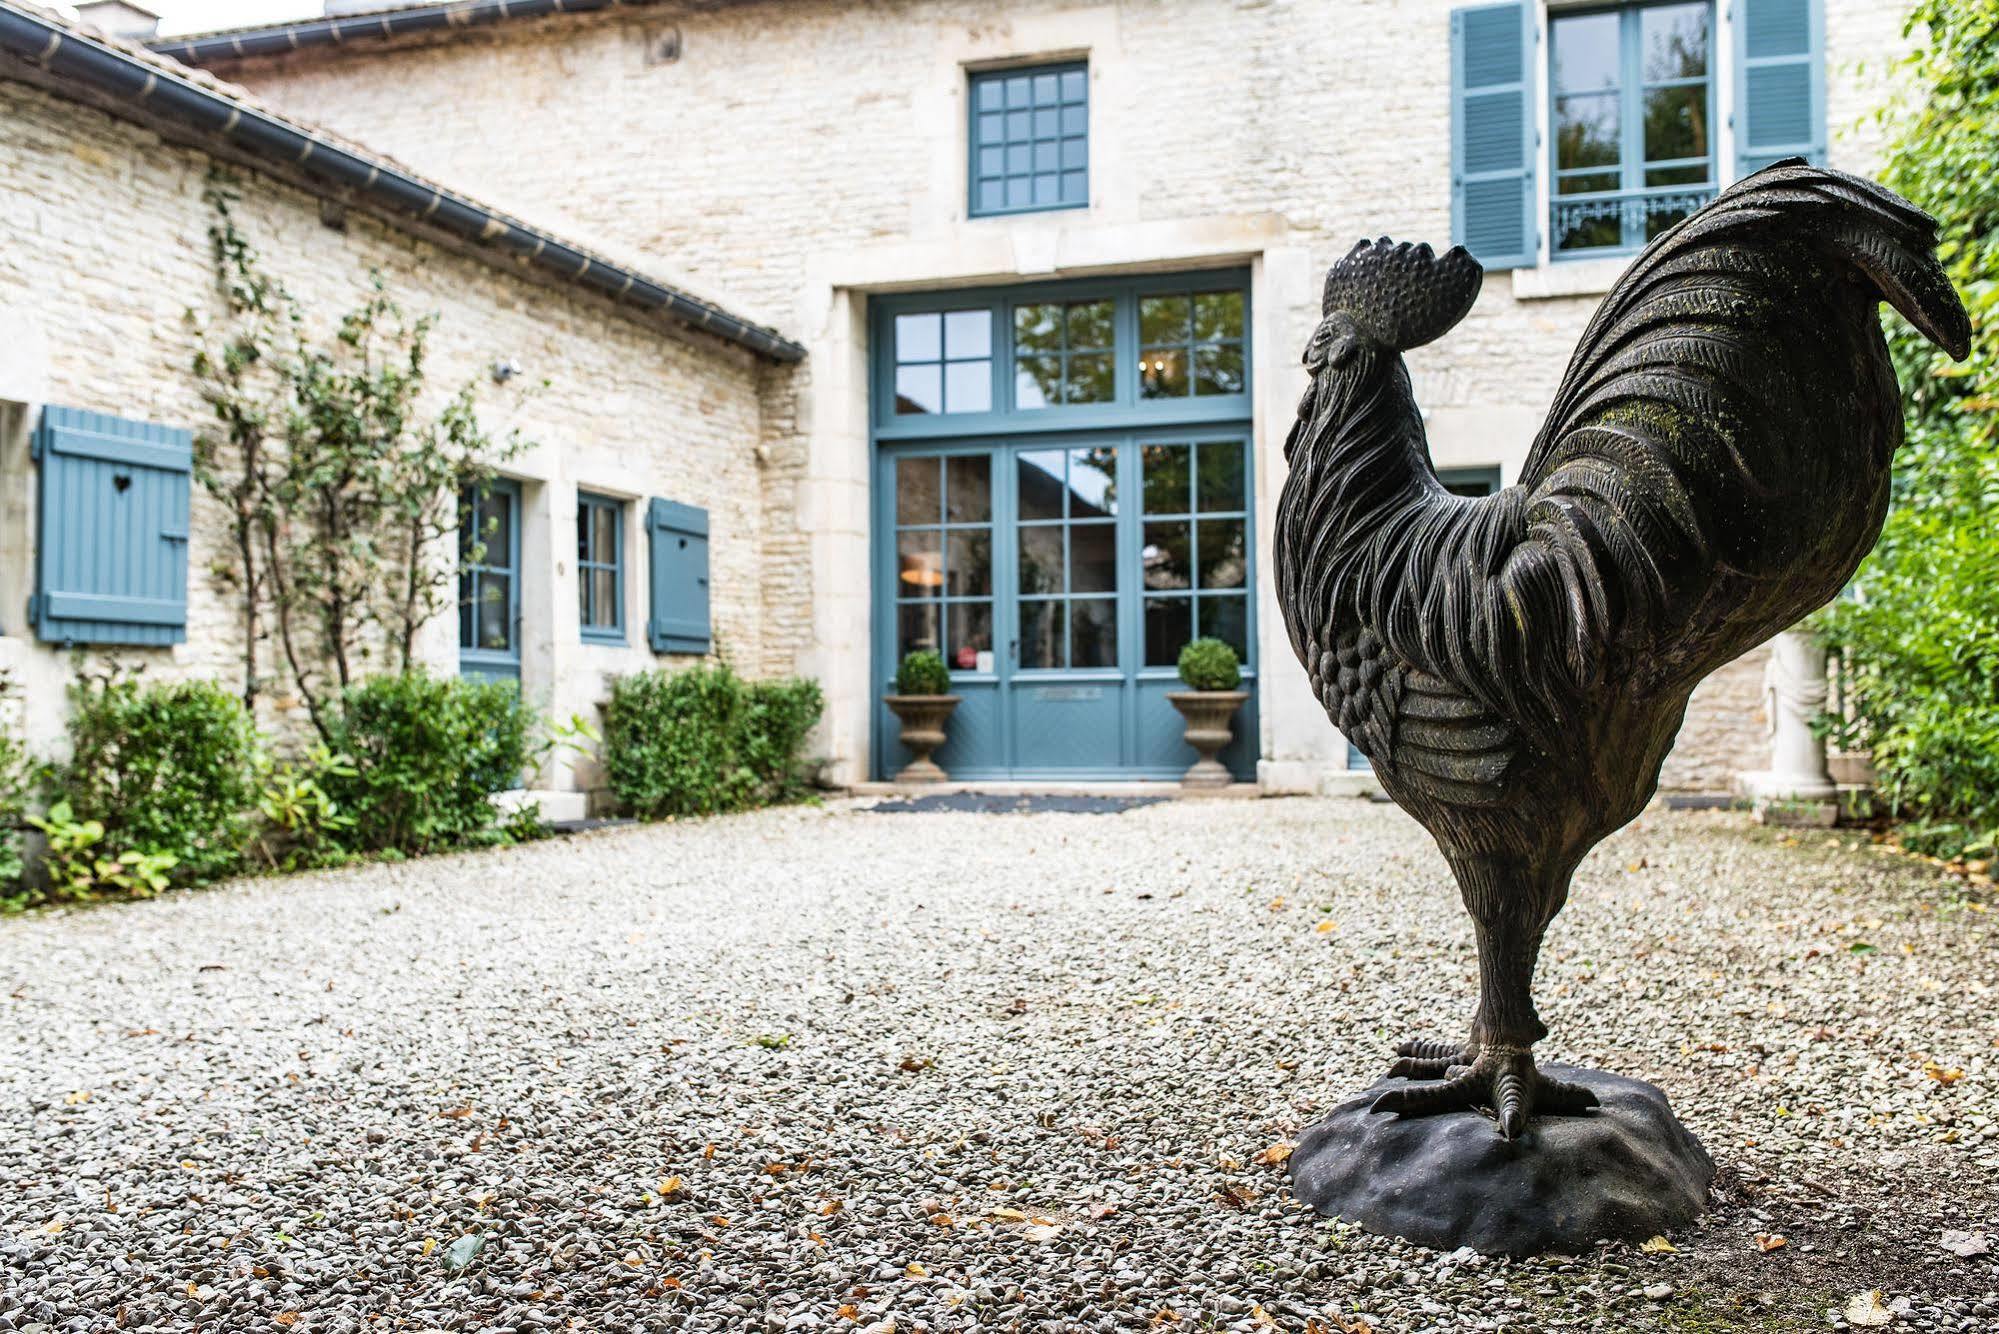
(1209, 715)
(1212, 673)
(923, 719)
(923, 701)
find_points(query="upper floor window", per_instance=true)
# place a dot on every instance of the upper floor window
(1030, 139)
(1632, 112)
(1642, 124)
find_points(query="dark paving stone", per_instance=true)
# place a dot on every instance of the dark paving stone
(986, 803)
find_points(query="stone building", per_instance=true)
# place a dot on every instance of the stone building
(1050, 263)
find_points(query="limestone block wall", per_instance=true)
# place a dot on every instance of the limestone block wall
(107, 253)
(799, 155)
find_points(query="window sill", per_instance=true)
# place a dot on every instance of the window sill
(614, 638)
(1573, 277)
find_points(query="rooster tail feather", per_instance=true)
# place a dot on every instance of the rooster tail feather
(1875, 230)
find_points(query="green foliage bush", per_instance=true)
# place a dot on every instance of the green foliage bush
(1210, 664)
(702, 741)
(16, 781)
(922, 673)
(168, 769)
(421, 754)
(1916, 635)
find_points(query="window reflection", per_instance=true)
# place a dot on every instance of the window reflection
(943, 362)
(1190, 344)
(1195, 557)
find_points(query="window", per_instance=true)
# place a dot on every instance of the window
(1195, 553)
(1030, 140)
(1632, 114)
(1190, 344)
(489, 580)
(1062, 353)
(600, 567)
(944, 362)
(1095, 353)
(1067, 533)
(944, 558)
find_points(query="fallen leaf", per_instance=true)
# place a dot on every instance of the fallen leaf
(915, 1270)
(911, 1064)
(1236, 1197)
(943, 1220)
(1323, 927)
(1865, 1309)
(1275, 1154)
(1042, 1232)
(1261, 1318)
(670, 1186)
(1657, 1246)
(463, 1251)
(1277, 904)
(1165, 1315)
(1769, 1241)
(455, 1113)
(1010, 1215)
(285, 1318)
(1100, 1209)
(664, 1283)
(429, 1245)
(1943, 1076)
(709, 1152)
(848, 1311)
(831, 1207)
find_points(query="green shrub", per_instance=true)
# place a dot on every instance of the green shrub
(16, 779)
(168, 769)
(922, 673)
(701, 741)
(1919, 658)
(421, 756)
(1209, 664)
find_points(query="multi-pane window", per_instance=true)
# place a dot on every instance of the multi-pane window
(1195, 552)
(1030, 147)
(600, 567)
(944, 558)
(1190, 344)
(944, 362)
(1632, 113)
(1062, 353)
(1067, 535)
(486, 568)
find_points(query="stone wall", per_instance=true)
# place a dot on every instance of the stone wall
(797, 156)
(108, 254)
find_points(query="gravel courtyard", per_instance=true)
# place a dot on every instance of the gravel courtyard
(845, 1069)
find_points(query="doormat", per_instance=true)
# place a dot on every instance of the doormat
(988, 803)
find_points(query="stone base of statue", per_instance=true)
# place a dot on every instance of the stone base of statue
(1626, 1170)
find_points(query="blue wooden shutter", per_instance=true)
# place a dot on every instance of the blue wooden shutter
(678, 538)
(1492, 134)
(111, 536)
(1780, 84)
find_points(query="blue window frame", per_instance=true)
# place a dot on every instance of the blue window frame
(1063, 356)
(1030, 139)
(600, 567)
(489, 585)
(1632, 111)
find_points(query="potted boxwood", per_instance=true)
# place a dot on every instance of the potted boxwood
(1212, 673)
(923, 701)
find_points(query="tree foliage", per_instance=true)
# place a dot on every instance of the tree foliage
(340, 474)
(1918, 634)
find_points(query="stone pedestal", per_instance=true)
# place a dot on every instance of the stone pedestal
(1797, 788)
(1627, 1169)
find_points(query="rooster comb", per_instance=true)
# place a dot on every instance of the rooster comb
(1400, 295)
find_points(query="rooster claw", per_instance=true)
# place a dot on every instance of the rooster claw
(1500, 1078)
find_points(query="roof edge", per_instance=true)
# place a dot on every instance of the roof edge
(278, 39)
(153, 94)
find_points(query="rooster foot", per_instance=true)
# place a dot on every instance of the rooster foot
(1429, 1058)
(1501, 1078)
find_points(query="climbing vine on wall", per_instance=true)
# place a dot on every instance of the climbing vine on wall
(340, 469)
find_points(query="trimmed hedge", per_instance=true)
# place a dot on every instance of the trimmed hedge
(702, 741)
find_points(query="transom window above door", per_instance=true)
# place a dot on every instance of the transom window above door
(1091, 354)
(1633, 115)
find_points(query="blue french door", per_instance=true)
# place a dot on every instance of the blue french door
(1058, 576)
(489, 583)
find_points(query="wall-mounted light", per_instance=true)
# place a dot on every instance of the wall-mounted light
(505, 369)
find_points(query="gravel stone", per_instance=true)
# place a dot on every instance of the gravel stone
(964, 1070)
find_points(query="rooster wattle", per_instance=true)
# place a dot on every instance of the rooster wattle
(1516, 666)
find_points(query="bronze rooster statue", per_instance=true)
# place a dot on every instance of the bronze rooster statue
(1715, 465)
